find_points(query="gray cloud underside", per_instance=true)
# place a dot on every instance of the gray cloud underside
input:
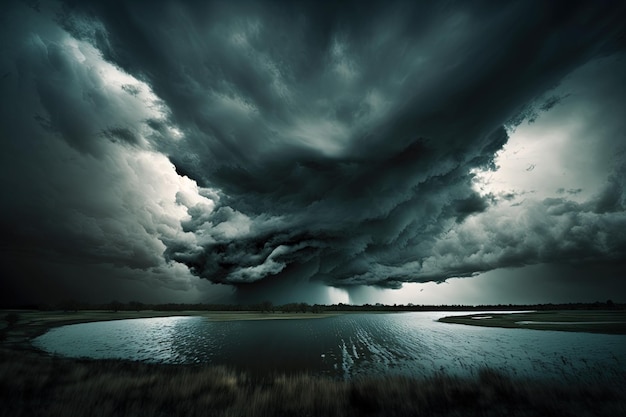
(347, 135)
(340, 140)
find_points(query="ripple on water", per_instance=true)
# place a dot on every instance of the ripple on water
(344, 346)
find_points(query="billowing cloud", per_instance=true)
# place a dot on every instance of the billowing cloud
(82, 182)
(249, 140)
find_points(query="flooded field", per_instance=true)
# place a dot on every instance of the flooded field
(346, 346)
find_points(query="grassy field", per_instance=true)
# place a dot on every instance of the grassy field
(608, 322)
(36, 384)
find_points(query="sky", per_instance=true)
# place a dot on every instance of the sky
(357, 152)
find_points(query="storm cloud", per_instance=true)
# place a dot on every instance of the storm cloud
(253, 142)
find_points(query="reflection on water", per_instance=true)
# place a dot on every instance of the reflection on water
(345, 346)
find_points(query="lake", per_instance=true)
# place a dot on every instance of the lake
(345, 346)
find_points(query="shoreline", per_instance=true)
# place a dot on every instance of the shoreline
(33, 382)
(34, 323)
(611, 322)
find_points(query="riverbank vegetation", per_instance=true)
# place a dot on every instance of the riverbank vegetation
(269, 307)
(37, 385)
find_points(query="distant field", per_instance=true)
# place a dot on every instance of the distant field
(607, 322)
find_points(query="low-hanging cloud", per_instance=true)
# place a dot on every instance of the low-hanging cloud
(341, 138)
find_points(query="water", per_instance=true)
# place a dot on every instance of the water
(346, 346)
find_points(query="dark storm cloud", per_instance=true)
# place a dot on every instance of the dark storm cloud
(334, 140)
(558, 230)
(82, 189)
(345, 133)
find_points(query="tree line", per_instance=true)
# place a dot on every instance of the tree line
(302, 307)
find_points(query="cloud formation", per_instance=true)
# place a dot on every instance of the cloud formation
(82, 183)
(250, 140)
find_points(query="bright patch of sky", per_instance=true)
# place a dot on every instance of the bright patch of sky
(567, 150)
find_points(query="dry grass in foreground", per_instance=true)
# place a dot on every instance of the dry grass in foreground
(35, 385)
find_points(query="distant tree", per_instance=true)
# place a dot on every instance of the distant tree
(115, 306)
(136, 305)
(317, 309)
(303, 307)
(266, 307)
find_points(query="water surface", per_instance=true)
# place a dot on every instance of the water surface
(345, 346)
